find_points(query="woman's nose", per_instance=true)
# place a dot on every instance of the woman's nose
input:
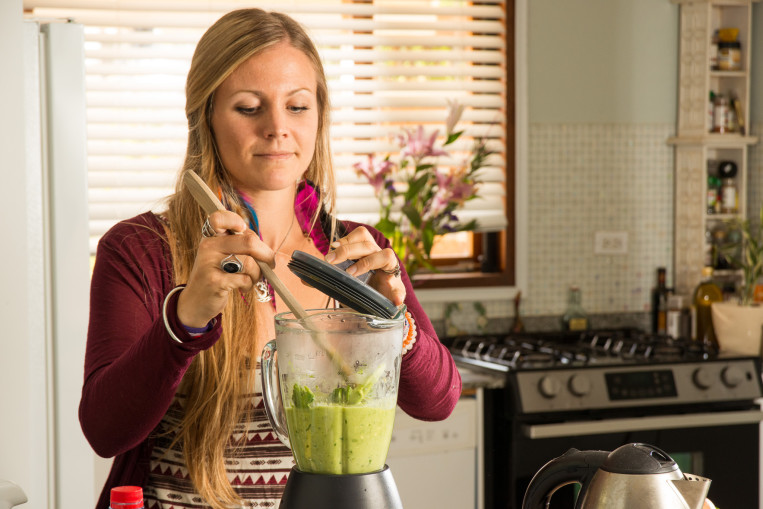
(275, 124)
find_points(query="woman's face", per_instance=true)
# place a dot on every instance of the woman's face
(265, 119)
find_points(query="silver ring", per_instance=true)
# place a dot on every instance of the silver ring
(231, 264)
(207, 230)
(394, 272)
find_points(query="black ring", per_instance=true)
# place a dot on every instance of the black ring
(231, 264)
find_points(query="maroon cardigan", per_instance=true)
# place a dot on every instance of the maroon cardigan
(133, 367)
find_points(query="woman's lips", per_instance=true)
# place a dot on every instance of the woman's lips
(277, 156)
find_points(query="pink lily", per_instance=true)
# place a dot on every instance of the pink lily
(375, 172)
(417, 146)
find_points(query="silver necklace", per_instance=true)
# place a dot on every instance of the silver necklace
(261, 289)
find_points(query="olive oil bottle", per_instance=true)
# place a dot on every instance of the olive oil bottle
(706, 293)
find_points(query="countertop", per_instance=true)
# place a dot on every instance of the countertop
(471, 379)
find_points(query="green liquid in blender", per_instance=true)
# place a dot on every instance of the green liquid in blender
(331, 438)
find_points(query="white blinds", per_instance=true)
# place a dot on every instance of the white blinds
(390, 63)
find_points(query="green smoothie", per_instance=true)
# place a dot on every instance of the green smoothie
(329, 438)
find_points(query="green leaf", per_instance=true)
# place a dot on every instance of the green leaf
(453, 137)
(415, 186)
(427, 237)
(412, 214)
(386, 226)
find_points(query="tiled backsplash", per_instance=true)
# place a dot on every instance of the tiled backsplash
(585, 178)
(588, 178)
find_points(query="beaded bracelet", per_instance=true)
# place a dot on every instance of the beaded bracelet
(410, 337)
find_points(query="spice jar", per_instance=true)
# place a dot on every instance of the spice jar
(720, 114)
(729, 196)
(729, 56)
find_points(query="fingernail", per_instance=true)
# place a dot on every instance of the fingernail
(351, 270)
(336, 243)
(330, 257)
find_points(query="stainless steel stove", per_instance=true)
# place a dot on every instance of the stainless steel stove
(604, 388)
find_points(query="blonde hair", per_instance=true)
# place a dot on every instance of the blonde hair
(219, 376)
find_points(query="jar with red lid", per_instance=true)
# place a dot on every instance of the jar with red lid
(126, 497)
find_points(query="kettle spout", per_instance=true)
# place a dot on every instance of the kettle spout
(692, 489)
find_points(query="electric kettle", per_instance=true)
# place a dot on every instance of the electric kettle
(633, 476)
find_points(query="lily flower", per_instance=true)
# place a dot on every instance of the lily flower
(375, 172)
(455, 110)
(417, 145)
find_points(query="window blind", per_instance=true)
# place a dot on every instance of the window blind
(391, 64)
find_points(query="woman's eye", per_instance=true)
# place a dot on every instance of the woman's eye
(246, 111)
(297, 109)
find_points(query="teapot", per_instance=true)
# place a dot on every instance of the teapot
(633, 476)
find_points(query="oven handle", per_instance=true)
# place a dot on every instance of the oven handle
(578, 428)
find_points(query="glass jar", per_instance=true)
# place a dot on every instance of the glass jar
(575, 317)
(729, 197)
(729, 56)
(720, 114)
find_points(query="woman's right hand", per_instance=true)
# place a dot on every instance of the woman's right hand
(208, 286)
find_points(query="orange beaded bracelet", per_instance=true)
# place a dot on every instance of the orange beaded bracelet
(410, 338)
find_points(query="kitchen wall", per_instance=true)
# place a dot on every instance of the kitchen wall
(602, 92)
(602, 103)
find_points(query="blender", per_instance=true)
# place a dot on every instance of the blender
(330, 383)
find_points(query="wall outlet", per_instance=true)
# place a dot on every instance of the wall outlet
(610, 243)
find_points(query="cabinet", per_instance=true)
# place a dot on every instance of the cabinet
(697, 147)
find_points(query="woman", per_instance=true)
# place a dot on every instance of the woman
(171, 377)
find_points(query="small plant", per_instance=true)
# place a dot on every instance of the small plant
(747, 254)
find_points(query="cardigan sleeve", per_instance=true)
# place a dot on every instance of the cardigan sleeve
(132, 365)
(430, 383)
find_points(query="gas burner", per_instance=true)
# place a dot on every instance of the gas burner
(568, 349)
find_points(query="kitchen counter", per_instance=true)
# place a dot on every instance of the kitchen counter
(471, 379)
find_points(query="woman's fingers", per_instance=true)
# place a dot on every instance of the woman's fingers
(224, 262)
(359, 245)
(225, 222)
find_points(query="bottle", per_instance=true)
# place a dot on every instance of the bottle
(706, 293)
(575, 317)
(126, 497)
(720, 239)
(720, 113)
(675, 311)
(713, 190)
(729, 197)
(660, 303)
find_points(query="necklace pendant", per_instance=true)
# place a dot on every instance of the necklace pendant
(262, 292)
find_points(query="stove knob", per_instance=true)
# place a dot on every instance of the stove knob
(579, 385)
(732, 376)
(549, 386)
(703, 378)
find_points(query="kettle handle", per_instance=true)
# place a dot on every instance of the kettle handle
(271, 395)
(572, 466)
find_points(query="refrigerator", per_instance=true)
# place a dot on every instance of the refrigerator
(44, 261)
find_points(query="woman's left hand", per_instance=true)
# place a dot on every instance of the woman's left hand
(360, 245)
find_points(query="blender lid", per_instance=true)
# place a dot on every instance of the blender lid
(336, 283)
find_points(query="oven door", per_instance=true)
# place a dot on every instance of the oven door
(723, 446)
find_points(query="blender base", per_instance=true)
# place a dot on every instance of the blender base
(376, 490)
